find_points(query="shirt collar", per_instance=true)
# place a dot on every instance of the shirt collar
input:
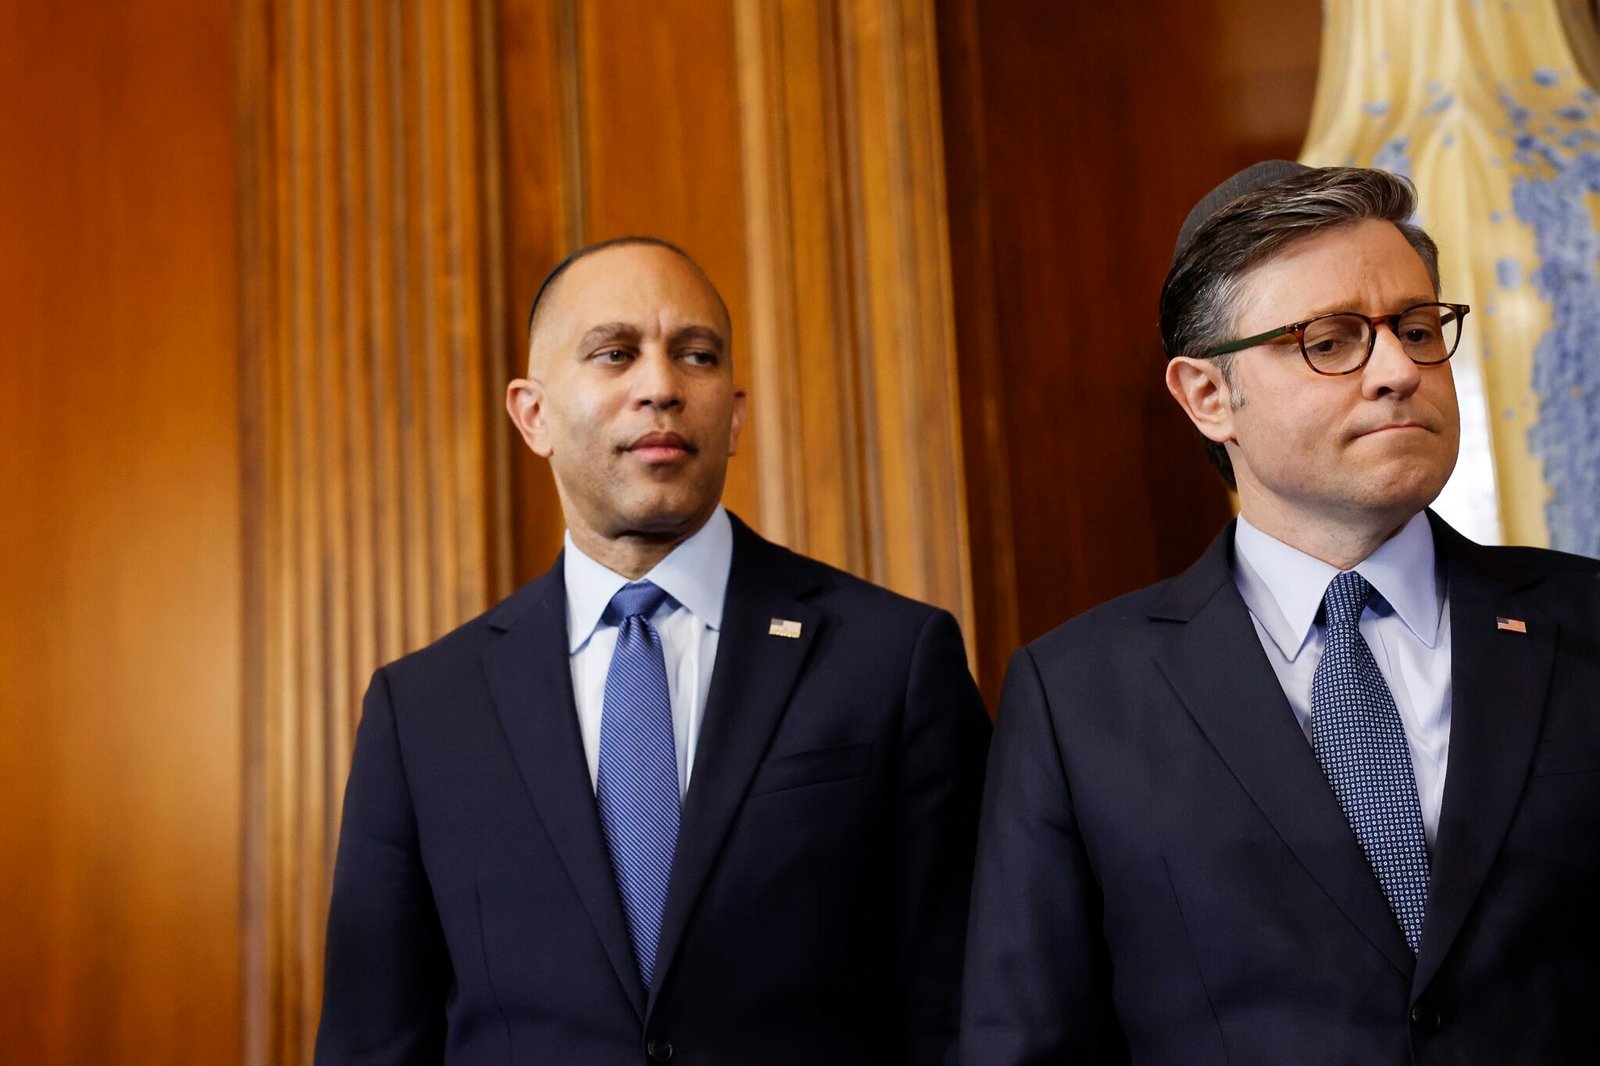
(1283, 586)
(695, 574)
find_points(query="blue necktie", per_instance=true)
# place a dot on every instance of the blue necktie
(1361, 744)
(637, 784)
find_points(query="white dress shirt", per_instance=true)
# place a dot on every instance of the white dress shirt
(1406, 624)
(695, 578)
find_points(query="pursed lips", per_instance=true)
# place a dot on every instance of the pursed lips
(1385, 427)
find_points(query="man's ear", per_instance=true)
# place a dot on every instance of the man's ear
(1202, 391)
(525, 404)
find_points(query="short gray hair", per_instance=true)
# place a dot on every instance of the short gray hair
(1199, 299)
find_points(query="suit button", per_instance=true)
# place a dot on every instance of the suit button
(659, 1049)
(1426, 1018)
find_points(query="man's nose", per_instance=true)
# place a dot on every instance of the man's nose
(1390, 370)
(657, 379)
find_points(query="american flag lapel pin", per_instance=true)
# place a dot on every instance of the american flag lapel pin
(783, 627)
(1511, 625)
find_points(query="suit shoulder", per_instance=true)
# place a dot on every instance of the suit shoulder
(1547, 560)
(851, 593)
(1563, 586)
(1566, 585)
(464, 645)
(1103, 629)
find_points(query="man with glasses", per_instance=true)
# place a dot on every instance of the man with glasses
(1332, 794)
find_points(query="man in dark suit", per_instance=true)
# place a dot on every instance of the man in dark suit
(1333, 794)
(688, 796)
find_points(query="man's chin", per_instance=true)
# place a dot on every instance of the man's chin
(1406, 489)
(665, 519)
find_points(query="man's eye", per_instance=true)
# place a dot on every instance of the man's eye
(610, 356)
(700, 357)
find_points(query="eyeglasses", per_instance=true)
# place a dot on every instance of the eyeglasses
(1342, 342)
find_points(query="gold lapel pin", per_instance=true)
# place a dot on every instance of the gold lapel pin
(1511, 625)
(782, 627)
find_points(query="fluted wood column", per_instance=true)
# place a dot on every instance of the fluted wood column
(374, 487)
(858, 437)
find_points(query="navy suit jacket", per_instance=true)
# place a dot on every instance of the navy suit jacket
(818, 899)
(1164, 875)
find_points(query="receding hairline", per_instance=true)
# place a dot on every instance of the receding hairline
(549, 284)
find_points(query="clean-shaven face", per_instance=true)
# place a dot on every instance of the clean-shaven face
(1377, 444)
(632, 396)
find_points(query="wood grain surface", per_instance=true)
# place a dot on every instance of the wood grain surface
(1077, 136)
(120, 599)
(375, 473)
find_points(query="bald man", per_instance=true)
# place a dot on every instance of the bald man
(687, 797)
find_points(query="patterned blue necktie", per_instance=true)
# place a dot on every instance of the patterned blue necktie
(1361, 744)
(637, 784)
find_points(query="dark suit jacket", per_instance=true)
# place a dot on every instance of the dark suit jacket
(818, 900)
(1164, 875)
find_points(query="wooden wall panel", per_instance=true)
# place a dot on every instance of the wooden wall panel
(120, 609)
(542, 175)
(854, 355)
(1077, 138)
(659, 109)
(373, 319)
(619, 118)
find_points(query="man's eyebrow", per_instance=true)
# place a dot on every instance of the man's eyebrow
(608, 332)
(1399, 305)
(703, 334)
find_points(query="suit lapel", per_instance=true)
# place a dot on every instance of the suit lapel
(754, 674)
(1499, 680)
(530, 678)
(1215, 663)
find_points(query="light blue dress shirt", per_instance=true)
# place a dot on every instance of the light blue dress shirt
(695, 578)
(1406, 624)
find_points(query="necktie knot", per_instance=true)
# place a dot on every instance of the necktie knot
(1344, 601)
(640, 599)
